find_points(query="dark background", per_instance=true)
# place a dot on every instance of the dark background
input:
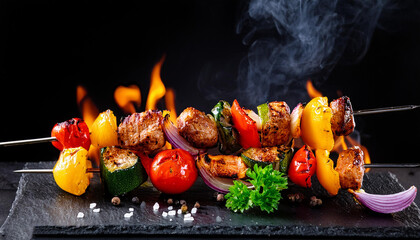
(48, 48)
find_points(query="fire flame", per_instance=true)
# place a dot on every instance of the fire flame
(89, 113)
(157, 89)
(128, 98)
(86, 105)
(312, 91)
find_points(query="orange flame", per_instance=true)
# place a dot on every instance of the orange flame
(89, 113)
(170, 104)
(86, 106)
(128, 98)
(157, 89)
(312, 92)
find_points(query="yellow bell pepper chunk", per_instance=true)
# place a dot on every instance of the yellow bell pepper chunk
(70, 171)
(325, 172)
(104, 130)
(316, 124)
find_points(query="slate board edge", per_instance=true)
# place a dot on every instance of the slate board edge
(220, 230)
(13, 208)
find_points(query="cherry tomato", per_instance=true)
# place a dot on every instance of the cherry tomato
(173, 171)
(71, 134)
(302, 167)
(247, 128)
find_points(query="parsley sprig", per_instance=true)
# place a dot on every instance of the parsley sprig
(266, 193)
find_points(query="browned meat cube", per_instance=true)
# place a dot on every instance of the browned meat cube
(223, 165)
(342, 121)
(197, 128)
(351, 168)
(276, 131)
(142, 131)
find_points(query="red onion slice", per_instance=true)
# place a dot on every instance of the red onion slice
(218, 184)
(177, 141)
(390, 203)
(295, 120)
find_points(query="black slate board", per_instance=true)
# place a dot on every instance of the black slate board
(42, 209)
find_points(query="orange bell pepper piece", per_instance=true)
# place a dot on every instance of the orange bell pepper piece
(70, 171)
(316, 124)
(327, 175)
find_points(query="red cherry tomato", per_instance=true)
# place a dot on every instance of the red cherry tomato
(247, 128)
(71, 134)
(173, 171)
(302, 167)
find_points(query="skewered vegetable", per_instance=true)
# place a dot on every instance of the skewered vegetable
(173, 171)
(71, 134)
(228, 136)
(302, 167)
(327, 176)
(70, 171)
(316, 124)
(295, 119)
(121, 170)
(247, 128)
(104, 130)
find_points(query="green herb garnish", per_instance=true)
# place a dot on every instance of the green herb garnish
(266, 193)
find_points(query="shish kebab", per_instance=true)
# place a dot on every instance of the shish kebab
(354, 113)
(272, 133)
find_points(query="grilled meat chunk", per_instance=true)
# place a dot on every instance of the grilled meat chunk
(223, 165)
(276, 131)
(142, 131)
(342, 121)
(351, 168)
(197, 128)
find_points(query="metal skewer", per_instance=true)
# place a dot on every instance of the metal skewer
(355, 113)
(384, 110)
(27, 141)
(88, 170)
(373, 165)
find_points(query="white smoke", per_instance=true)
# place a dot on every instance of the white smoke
(290, 41)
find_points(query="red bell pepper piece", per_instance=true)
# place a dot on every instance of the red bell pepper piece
(145, 160)
(247, 128)
(72, 133)
(302, 167)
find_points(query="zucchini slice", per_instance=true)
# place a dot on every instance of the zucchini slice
(121, 170)
(279, 157)
(261, 156)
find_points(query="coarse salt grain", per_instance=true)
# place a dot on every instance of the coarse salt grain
(194, 210)
(179, 211)
(128, 215)
(131, 209)
(80, 215)
(96, 210)
(218, 219)
(164, 214)
(92, 205)
(187, 215)
(170, 208)
(156, 206)
(188, 219)
(172, 213)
